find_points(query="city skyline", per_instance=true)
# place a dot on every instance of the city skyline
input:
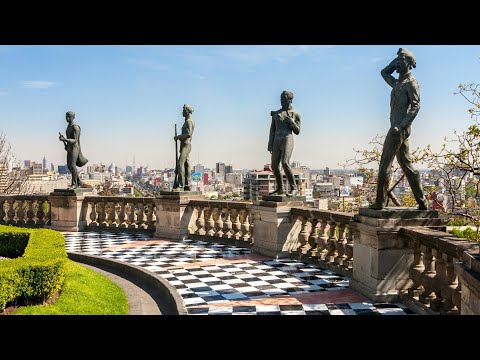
(128, 98)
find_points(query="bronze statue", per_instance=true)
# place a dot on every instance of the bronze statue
(185, 138)
(285, 123)
(72, 146)
(404, 107)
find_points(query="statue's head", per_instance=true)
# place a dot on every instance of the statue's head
(405, 60)
(286, 98)
(70, 115)
(187, 109)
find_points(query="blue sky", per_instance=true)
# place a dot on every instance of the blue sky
(128, 98)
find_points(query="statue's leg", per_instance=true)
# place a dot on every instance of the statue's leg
(181, 167)
(188, 178)
(72, 167)
(276, 154)
(390, 148)
(405, 160)
(287, 154)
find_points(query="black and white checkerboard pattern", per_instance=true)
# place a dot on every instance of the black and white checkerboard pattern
(305, 309)
(150, 256)
(201, 286)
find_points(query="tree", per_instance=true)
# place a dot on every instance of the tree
(13, 179)
(458, 160)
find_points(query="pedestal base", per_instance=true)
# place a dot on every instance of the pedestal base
(382, 259)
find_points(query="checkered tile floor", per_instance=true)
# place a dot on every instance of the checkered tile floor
(219, 279)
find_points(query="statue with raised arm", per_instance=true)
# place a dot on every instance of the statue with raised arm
(285, 123)
(72, 146)
(404, 107)
(185, 138)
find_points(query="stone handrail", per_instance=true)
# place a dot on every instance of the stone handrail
(325, 236)
(25, 210)
(221, 219)
(133, 213)
(435, 280)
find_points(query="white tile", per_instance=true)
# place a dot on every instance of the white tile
(195, 300)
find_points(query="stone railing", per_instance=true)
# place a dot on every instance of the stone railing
(117, 212)
(435, 284)
(25, 210)
(221, 219)
(325, 236)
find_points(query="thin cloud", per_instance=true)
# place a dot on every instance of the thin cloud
(36, 84)
(261, 54)
(3, 93)
(149, 64)
(201, 77)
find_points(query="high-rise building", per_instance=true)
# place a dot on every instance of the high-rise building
(27, 164)
(199, 169)
(220, 169)
(326, 172)
(228, 169)
(44, 165)
(52, 168)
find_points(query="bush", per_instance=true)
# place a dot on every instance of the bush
(37, 272)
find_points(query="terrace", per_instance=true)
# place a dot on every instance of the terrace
(265, 257)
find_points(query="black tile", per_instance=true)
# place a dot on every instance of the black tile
(197, 310)
(253, 293)
(189, 295)
(202, 288)
(244, 308)
(317, 312)
(190, 281)
(213, 298)
(269, 313)
(227, 291)
(214, 282)
(181, 286)
(290, 307)
(385, 306)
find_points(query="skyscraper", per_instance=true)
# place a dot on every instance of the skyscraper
(44, 164)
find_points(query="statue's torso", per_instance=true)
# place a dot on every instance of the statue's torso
(399, 99)
(282, 126)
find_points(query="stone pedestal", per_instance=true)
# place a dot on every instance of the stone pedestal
(68, 213)
(381, 258)
(173, 215)
(275, 232)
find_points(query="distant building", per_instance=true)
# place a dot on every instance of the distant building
(326, 172)
(260, 183)
(62, 169)
(37, 169)
(199, 169)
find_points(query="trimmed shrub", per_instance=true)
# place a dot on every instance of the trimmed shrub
(37, 270)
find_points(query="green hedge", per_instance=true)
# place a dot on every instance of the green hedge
(38, 273)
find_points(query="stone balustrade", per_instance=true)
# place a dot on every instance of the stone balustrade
(435, 280)
(221, 219)
(325, 236)
(25, 210)
(116, 212)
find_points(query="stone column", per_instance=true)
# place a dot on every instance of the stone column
(173, 213)
(68, 213)
(275, 233)
(468, 272)
(381, 258)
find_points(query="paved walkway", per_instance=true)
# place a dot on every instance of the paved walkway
(225, 280)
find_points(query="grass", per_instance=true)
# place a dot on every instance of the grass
(85, 292)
